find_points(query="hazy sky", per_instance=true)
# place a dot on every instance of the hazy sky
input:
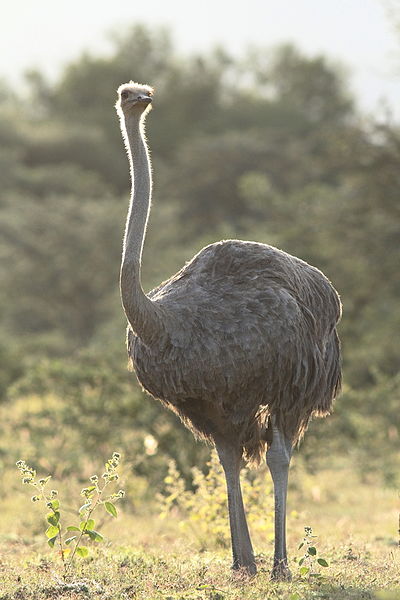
(359, 33)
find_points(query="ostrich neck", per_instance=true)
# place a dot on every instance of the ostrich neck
(140, 311)
(139, 206)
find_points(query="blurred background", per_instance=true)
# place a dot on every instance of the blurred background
(275, 121)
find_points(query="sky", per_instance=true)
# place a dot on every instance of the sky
(360, 34)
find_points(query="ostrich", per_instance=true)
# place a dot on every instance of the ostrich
(241, 343)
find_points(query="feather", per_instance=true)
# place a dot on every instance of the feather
(250, 332)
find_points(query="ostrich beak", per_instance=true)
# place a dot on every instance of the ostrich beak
(145, 99)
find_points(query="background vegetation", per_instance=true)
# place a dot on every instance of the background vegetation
(268, 146)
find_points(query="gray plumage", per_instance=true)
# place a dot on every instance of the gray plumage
(252, 334)
(241, 343)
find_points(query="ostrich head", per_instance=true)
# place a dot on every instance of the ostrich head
(134, 97)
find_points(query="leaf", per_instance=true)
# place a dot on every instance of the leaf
(53, 518)
(94, 535)
(70, 539)
(295, 596)
(304, 571)
(54, 504)
(66, 551)
(82, 551)
(52, 541)
(89, 491)
(312, 550)
(110, 508)
(322, 562)
(72, 528)
(300, 546)
(52, 531)
(301, 561)
(84, 525)
(85, 507)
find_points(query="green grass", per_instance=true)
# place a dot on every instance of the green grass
(122, 573)
(147, 558)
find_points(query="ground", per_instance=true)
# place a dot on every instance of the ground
(150, 559)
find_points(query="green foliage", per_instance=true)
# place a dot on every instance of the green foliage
(308, 563)
(203, 509)
(266, 146)
(86, 245)
(95, 495)
(367, 422)
(76, 409)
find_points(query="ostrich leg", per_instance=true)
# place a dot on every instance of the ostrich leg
(243, 557)
(278, 460)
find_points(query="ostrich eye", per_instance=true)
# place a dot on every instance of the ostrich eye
(124, 95)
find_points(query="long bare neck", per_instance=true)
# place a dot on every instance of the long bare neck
(143, 316)
(139, 206)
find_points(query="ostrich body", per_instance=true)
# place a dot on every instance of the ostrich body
(241, 343)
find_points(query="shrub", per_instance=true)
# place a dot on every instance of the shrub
(203, 509)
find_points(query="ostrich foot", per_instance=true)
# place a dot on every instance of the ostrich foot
(281, 572)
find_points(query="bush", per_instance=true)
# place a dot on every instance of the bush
(203, 509)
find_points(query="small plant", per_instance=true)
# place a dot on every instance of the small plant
(308, 562)
(203, 510)
(69, 539)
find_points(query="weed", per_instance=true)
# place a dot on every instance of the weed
(204, 509)
(69, 538)
(309, 561)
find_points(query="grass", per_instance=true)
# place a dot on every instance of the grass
(125, 573)
(150, 559)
